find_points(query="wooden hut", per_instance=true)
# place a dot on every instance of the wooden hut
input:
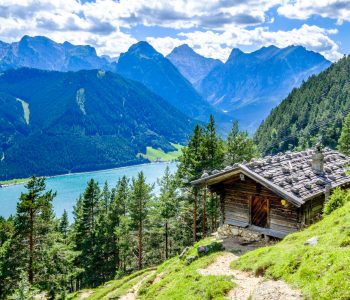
(278, 194)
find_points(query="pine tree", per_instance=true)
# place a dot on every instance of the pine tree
(213, 158)
(64, 224)
(212, 147)
(167, 204)
(118, 209)
(105, 197)
(190, 168)
(240, 147)
(85, 226)
(33, 223)
(344, 140)
(140, 198)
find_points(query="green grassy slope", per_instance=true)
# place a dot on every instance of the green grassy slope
(174, 279)
(321, 271)
(153, 154)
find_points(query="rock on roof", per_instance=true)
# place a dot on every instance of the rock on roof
(292, 173)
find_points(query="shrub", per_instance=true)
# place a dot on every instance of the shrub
(338, 198)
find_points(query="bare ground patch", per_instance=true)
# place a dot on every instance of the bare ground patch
(249, 285)
(132, 293)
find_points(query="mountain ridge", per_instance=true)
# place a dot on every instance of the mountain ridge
(192, 65)
(43, 53)
(249, 85)
(144, 64)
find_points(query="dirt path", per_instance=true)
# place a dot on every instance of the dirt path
(248, 285)
(132, 293)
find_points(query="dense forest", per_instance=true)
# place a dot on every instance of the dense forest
(314, 110)
(115, 230)
(56, 123)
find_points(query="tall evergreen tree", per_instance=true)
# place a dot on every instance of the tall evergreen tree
(190, 168)
(86, 214)
(240, 147)
(64, 224)
(105, 197)
(213, 158)
(212, 147)
(140, 198)
(117, 210)
(167, 204)
(344, 139)
(33, 223)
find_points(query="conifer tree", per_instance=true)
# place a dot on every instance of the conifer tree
(240, 147)
(140, 198)
(86, 214)
(212, 147)
(344, 140)
(64, 224)
(33, 223)
(118, 209)
(167, 204)
(213, 158)
(105, 197)
(190, 168)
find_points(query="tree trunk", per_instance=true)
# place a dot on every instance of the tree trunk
(140, 247)
(194, 229)
(166, 241)
(31, 248)
(204, 214)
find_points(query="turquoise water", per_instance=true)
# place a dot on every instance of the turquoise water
(69, 187)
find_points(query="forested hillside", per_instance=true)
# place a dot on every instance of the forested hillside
(54, 123)
(315, 109)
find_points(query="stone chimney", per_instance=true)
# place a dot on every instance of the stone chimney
(318, 160)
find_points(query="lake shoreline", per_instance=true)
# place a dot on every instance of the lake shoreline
(70, 187)
(25, 180)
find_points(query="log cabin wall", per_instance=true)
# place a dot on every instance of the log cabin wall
(236, 196)
(311, 210)
(283, 218)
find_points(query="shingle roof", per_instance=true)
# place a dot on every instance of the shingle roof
(290, 174)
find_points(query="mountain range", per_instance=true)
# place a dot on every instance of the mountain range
(42, 53)
(144, 64)
(248, 85)
(63, 108)
(53, 122)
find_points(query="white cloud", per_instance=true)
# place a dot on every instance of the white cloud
(304, 9)
(219, 45)
(213, 27)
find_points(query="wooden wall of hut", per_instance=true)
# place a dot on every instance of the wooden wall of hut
(237, 196)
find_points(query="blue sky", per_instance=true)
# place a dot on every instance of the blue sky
(211, 27)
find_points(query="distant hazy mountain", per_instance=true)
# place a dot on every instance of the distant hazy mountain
(249, 85)
(53, 122)
(192, 65)
(144, 64)
(42, 53)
